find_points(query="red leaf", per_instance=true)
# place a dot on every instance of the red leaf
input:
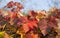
(26, 28)
(32, 13)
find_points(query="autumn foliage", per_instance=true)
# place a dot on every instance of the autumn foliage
(34, 25)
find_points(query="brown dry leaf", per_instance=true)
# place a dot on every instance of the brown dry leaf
(43, 26)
